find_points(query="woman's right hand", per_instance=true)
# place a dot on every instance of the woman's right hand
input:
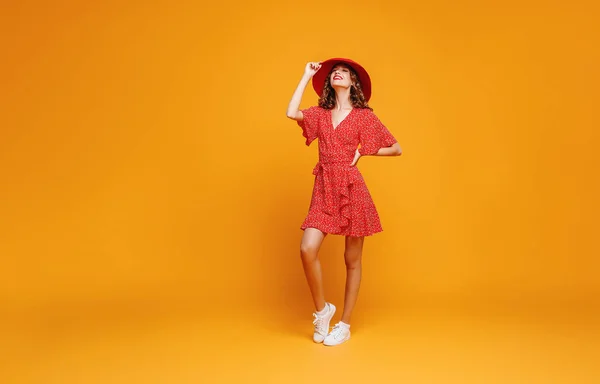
(312, 68)
(293, 112)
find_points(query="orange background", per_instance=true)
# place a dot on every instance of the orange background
(146, 158)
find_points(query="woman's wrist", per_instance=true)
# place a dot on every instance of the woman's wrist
(307, 75)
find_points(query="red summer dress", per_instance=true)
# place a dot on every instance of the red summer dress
(341, 203)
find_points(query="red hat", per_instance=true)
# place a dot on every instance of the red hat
(318, 79)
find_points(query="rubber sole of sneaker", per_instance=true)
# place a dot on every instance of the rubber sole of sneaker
(332, 314)
(338, 343)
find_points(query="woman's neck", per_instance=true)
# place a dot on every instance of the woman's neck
(342, 99)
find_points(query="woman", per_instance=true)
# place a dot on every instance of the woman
(341, 203)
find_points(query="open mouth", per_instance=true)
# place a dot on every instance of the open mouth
(337, 77)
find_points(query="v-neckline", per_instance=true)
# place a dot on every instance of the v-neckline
(335, 128)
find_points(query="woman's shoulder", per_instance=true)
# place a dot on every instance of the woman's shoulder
(316, 109)
(366, 113)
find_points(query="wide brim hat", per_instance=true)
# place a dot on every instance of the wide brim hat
(318, 80)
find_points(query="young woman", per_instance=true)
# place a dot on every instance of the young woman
(341, 203)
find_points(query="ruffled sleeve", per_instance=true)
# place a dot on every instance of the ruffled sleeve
(374, 135)
(310, 124)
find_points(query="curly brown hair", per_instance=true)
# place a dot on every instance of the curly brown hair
(357, 98)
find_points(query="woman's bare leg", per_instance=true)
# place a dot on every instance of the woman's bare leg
(353, 258)
(309, 250)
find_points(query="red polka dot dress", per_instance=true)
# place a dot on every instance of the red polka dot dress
(341, 203)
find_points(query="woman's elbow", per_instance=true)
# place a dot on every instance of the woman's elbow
(292, 115)
(397, 149)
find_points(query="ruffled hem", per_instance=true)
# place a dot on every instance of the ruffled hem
(308, 139)
(372, 149)
(334, 213)
(324, 229)
(343, 179)
(309, 129)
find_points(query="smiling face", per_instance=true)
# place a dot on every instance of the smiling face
(340, 76)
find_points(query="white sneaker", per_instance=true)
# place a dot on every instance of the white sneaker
(321, 323)
(339, 334)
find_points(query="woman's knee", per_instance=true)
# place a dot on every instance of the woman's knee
(310, 244)
(353, 252)
(353, 259)
(308, 251)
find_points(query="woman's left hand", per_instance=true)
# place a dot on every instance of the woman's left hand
(356, 157)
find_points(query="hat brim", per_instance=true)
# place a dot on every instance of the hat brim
(318, 80)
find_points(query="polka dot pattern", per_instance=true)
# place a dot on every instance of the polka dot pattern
(341, 203)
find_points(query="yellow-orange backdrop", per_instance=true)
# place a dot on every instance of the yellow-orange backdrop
(145, 154)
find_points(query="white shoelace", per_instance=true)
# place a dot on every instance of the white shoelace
(337, 331)
(318, 322)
